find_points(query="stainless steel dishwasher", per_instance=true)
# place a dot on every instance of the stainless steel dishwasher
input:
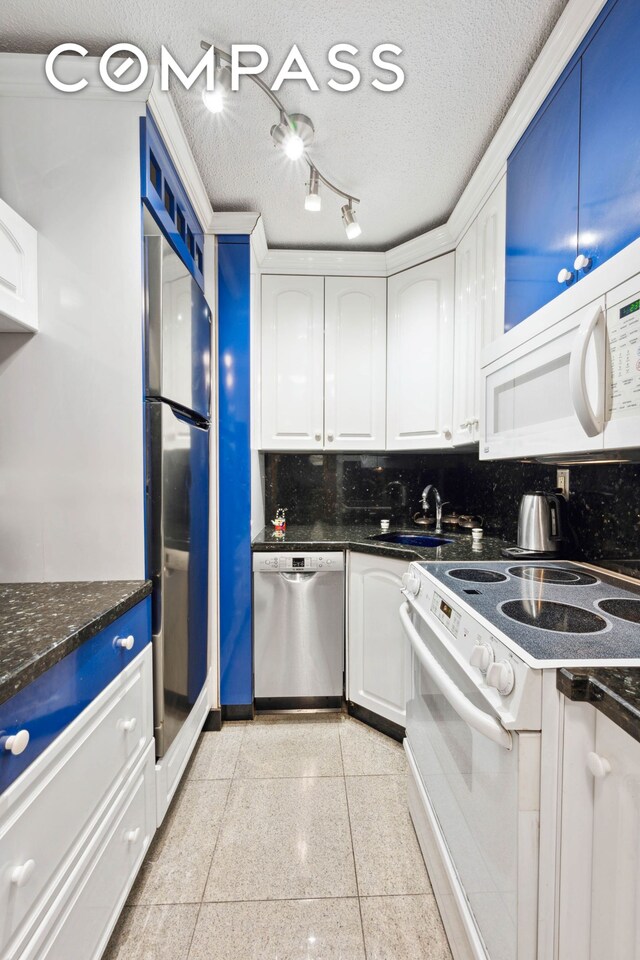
(298, 629)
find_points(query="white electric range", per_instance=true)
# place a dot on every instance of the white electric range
(482, 729)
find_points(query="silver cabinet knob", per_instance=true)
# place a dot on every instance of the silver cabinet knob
(581, 262)
(565, 276)
(330, 437)
(318, 437)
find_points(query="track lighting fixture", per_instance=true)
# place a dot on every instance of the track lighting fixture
(313, 200)
(351, 225)
(215, 100)
(293, 132)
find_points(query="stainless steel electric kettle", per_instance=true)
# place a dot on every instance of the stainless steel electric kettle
(540, 523)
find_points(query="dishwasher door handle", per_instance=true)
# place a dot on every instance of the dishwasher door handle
(295, 576)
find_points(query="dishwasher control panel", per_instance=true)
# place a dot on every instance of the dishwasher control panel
(297, 561)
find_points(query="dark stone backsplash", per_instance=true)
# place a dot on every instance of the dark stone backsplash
(603, 512)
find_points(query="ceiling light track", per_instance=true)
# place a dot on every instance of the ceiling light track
(294, 132)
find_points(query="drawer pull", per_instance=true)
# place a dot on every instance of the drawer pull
(125, 643)
(21, 875)
(128, 725)
(599, 766)
(131, 836)
(17, 743)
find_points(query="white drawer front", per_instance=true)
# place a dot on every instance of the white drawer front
(84, 924)
(56, 814)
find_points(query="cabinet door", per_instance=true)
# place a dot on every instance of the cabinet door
(292, 363)
(491, 264)
(420, 356)
(532, 395)
(465, 372)
(376, 643)
(355, 363)
(542, 204)
(18, 273)
(615, 905)
(609, 155)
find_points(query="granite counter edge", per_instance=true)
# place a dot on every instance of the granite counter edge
(29, 671)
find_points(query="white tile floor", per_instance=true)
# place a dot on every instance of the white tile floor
(289, 839)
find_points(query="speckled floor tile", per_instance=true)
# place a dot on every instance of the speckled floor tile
(388, 858)
(279, 930)
(283, 839)
(403, 928)
(176, 866)
(290, 750)
(216, 754)
(365, 752)
(153, 933)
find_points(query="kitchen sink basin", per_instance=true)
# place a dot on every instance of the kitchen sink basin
(410, 539)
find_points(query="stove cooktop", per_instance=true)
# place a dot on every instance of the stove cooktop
(552, 610)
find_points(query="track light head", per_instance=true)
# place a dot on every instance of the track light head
(351, 225)
(313, 200)
(294, 133)
(215, 100)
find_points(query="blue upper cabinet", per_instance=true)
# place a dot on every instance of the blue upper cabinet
(573, 181)
(166, 198)
(609, 151)
(542, 203)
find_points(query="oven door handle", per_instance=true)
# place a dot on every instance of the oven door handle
(466, 710)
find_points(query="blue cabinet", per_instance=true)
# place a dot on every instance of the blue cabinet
(542, 203)
(609, 217)
(573, 180)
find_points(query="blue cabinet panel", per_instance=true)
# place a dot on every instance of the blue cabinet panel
(54, 699)
(609, 216)
(165, 197)
(542, 203)
(234, 485)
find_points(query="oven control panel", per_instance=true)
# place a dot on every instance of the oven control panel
(445, 613)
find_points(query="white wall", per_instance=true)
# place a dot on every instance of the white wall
(71, 422)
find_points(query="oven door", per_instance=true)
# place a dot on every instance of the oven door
(471, 770)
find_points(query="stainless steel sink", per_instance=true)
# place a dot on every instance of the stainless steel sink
(410, 539)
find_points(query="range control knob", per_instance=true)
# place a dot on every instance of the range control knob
(481, 656)
(411, 583)
(500, 675)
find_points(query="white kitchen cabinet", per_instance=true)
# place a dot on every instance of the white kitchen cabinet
(466, 417)
(479, 309)
(420, 357)
(292, 363)
(377, 646)
(599, 896)
(18, 273)
(355, 363)
(491, 240)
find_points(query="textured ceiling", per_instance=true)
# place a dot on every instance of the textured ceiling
(408, 155)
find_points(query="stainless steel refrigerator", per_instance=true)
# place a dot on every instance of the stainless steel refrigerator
(177, 414)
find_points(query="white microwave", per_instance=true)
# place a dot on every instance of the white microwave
(565, 383)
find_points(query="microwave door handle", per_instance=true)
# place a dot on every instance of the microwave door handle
(466, 710)
(591, 422)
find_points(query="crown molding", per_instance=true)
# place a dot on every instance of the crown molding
(259, 241)
(234, 222)
(164, 112)
(425, 247)
(22, 75)
(340, 263)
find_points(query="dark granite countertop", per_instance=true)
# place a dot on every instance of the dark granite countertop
(325, 535)
(40, 623)
(615, 691)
